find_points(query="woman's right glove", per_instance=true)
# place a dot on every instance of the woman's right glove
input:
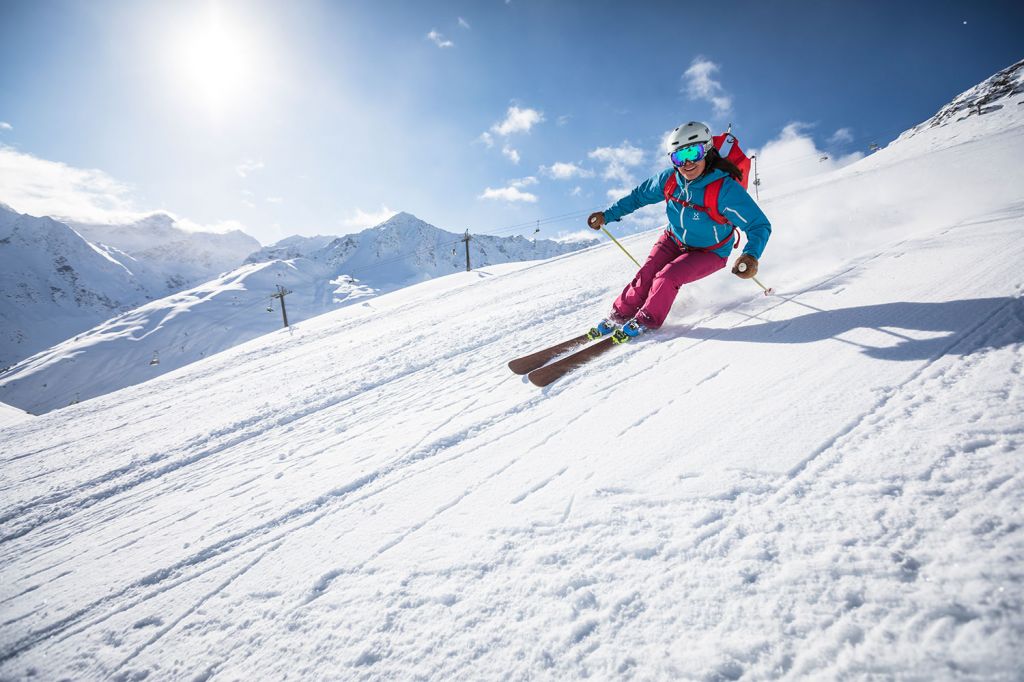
(596, 220)
(745, 267)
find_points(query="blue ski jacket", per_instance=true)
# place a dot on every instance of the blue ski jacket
(695, 228)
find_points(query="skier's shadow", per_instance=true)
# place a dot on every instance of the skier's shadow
(951, 320)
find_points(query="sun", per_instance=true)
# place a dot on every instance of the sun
(215, 61)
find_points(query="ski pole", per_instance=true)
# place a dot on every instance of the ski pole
(605, 230)
(768, 291)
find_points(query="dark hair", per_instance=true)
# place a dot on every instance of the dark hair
(714, 161)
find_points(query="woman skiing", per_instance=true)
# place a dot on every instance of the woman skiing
(700, 232)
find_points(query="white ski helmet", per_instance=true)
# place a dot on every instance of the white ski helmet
(693, 132)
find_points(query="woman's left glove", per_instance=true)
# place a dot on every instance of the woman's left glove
(745, 266)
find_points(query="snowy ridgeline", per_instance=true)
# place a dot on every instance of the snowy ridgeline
(74, 299)
(826, 484)
(59, 280)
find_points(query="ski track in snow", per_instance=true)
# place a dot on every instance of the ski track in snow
(719, 525)
(422, 514)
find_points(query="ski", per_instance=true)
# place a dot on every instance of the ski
(556, 370)
(528, 363)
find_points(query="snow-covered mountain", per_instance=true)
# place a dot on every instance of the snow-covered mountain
(60, 279)
(54, 284)
(404, 250)
(1002, 91)
(169, 333)
(825, 484)
(174, 258)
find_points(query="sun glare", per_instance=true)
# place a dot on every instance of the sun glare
(215, 62)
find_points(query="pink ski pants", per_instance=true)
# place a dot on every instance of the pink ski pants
(650, 295)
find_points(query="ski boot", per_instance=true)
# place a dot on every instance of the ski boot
(630, 330)
(603, 328)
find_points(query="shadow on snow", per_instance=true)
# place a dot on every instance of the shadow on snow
(952, 319)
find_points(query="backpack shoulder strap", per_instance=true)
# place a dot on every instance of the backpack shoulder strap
(669, 189)
(711, 193)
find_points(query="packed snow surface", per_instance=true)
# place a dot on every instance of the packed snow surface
(824, 484)
(319, 274)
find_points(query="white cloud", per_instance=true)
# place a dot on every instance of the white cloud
(517, 121)
(40, 187)
(793, 155)
(576, 191)
(487, 139)
(580, 236)
(561, 170)
(50, 188)
(464, 24)
(563, 120)
(222, 227)
(4, 125)
(360, 219)
(248, 166)
(700, 84)
(509, 194)
(440, 40)
(618, 161)
(275, 200)
(841, 136)
(514, 191)
(510, 153)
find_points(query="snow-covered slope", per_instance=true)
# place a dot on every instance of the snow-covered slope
(54, 284)
(11, 415)
(176, 330)
(59, 279)
(826, 484)
(404, 250)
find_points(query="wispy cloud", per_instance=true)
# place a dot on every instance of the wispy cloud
(439, 40)
(514, 191)
(701, 85)
(275, 200)
(561, 170)
(517, 120)
(360, 219)
(618, 161)
(509, 194)
(793, 155)
(464, 24)
(246, 167)
(50, 188)
(841, 136)
(4, 125)
(510, 153)
(40, 187)
(221, 227)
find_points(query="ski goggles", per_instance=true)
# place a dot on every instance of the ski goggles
(688, 154)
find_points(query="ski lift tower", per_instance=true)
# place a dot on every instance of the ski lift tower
(281, 293)
(466, 239)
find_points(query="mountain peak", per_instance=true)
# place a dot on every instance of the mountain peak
(400, 218)
(156, 220)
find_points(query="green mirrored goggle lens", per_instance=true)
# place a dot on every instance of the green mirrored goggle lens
(689, 154)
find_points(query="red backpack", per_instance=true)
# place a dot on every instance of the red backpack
(712, 190)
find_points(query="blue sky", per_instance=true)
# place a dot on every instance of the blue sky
(316, 117)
